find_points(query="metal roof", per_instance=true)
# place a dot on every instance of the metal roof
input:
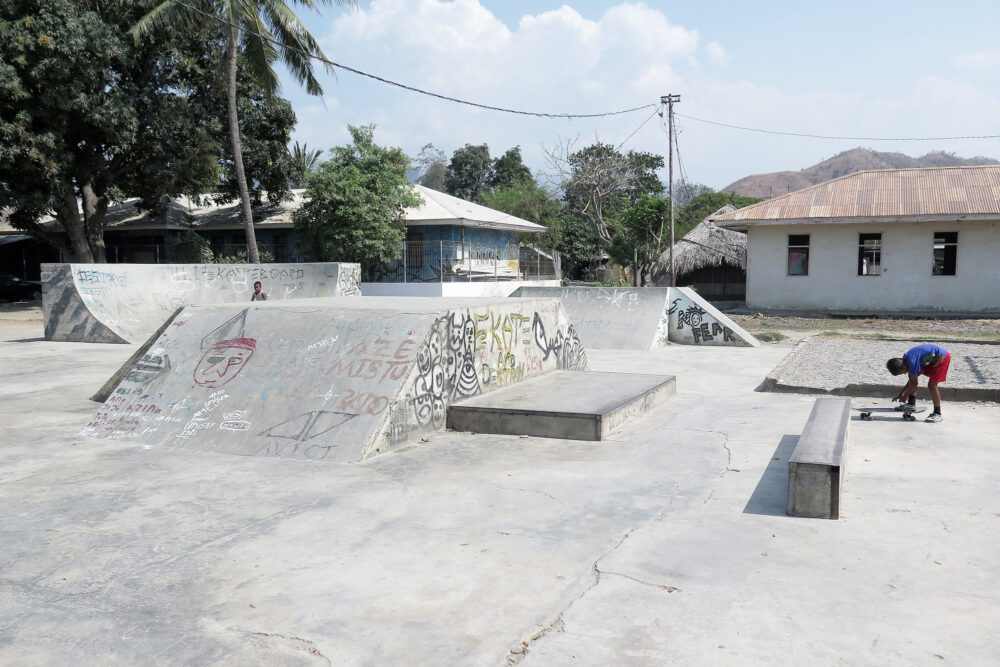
(443, 209)
(884, 195)
(185, 213)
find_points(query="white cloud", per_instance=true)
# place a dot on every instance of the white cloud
(980, 61)
(716, 54)
(562, 61)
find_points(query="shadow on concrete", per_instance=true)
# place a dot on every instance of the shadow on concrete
(26, 340)
(770, 497)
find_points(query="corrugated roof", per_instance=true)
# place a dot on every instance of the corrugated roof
(443, 209)
(886, 194)
(183, 213)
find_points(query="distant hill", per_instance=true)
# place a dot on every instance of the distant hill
(848, 162)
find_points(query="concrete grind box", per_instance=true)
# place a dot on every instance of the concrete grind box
(337, 379)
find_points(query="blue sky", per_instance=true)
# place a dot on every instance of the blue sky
(845, 68)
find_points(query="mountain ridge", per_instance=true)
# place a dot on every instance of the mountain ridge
(778, 183)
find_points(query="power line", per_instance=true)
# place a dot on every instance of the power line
(823, 136)
(657, 110)
(405, 86)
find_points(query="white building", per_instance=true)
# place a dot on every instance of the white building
(888, 240)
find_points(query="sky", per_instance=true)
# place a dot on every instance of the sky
(862, 70)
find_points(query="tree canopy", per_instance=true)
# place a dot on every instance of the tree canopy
(354, 204)
(600, 182)
(469, 172)
(87, 116)
(703, 205)
(263, 31)
(433, 167)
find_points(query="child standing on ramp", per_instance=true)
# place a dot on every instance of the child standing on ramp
(926, 359)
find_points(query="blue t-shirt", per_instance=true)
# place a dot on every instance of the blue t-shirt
(923, 355)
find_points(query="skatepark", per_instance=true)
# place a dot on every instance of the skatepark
(666, 542)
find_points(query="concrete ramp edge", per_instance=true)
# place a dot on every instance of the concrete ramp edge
(695, 321)
(126, 303)
(319, 379)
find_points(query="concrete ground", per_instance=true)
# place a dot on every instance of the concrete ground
(666, 545)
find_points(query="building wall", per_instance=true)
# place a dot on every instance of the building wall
(906, 282)
(485, 288)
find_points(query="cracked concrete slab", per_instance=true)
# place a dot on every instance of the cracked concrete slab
(667, 544)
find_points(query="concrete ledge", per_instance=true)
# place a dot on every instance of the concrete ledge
(815, 469)
(575, 405)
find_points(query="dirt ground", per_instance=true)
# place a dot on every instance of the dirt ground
(765, 326)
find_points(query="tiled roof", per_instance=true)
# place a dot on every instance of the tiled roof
(884, 195)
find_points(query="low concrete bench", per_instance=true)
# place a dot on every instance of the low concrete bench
(816, 467)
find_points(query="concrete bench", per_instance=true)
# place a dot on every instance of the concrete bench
(816, 467)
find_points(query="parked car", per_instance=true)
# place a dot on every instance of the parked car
(13, 288)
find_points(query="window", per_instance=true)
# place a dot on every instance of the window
(945, 253)
(798, 254)
(869, 254)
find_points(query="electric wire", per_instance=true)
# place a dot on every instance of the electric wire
(824, 136)
(489, 107)
(405, 86)
(657, 110)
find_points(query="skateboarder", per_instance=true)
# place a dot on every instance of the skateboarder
(258, 294)
(926, 359)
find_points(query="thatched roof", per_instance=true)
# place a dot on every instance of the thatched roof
(707, 245)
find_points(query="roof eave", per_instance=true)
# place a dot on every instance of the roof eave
(741, 225)
(480, 224)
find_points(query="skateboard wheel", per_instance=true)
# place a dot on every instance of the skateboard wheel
(867, 416)
(908, 417)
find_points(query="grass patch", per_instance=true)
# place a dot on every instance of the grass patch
(770, 336)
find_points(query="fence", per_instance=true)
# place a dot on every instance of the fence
(174, 253)
(451, 261)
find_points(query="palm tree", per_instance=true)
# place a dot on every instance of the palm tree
(266, 30)
(304, 161)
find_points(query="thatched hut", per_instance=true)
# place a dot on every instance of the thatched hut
(710, 259)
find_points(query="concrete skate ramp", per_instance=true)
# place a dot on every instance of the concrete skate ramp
(643, 318)
(126, 303)
(620, 318)
(338, 379)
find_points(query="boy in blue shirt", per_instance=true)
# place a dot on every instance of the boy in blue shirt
(926, 359)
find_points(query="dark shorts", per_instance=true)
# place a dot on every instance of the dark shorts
(938, 373)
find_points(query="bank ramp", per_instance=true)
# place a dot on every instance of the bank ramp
(127, 303)
(337, 379)
(643, 318)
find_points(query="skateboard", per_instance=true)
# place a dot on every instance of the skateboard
(866, 413)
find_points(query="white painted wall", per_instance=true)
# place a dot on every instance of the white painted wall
(501, 288)
(906, 282)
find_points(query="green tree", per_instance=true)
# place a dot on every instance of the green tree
(573, 236)
(703, 205)
(433, 168)
(600, 182)
(509, 169)
(355, 202)
(524, 199)
(643, 234)
(469, 172)
(266, 123)
(88, 118)
(304, 162)
(267, 30)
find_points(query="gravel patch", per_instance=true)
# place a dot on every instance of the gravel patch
(856, 367)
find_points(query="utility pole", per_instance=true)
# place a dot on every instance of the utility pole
(669, 100)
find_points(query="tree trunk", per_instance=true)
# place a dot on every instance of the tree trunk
(94, 208)
(234, 135)
(68, 215)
